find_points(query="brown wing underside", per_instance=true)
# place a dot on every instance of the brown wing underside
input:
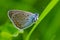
(19, 18)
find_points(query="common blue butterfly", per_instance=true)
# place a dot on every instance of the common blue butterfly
(22, 19)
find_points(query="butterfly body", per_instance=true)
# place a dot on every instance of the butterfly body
(22, 19)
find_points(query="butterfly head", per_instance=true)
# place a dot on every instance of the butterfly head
(35, 17)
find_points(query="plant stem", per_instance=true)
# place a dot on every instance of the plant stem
(44, 13)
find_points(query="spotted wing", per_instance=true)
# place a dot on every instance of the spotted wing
(19, 18)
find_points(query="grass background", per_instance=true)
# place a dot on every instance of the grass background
(47, 26)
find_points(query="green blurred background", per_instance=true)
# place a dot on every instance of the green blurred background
(48, 29)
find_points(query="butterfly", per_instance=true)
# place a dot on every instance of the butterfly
(22, 19)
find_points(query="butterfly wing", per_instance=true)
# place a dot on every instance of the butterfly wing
(20, 19)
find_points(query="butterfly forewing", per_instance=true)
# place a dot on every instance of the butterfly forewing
(19, 18)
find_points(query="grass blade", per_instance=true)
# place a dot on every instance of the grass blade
(43, 14)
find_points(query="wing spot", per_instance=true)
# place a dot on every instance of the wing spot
(27, 19)
(22, 14)
(27, 15)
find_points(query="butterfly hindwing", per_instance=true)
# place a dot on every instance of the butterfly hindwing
(19, 18)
